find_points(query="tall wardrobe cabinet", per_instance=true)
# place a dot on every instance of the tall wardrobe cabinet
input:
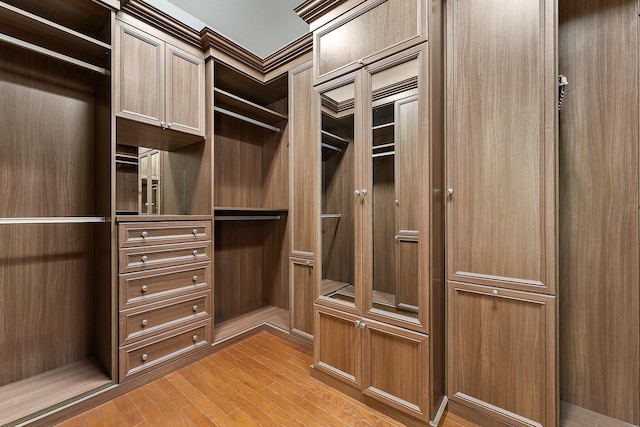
(501, 209)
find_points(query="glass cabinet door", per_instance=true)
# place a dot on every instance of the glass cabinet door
(341, 196)
(396, 173)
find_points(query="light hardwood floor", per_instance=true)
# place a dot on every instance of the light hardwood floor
(261, 381)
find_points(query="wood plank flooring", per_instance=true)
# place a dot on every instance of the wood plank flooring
(261, 381)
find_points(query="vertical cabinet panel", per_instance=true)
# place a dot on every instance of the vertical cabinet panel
(338, 345)
(501, 144)
(140, 73)
(185, 91)
(502, 356)
(406, 355)
(302, 281)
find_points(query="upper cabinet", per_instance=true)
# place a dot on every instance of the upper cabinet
(353, 40)
(159, 82)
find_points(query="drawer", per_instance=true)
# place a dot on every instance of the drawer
(132, 234)
(151, 353)
(151, 286)
(160, 317)
(147, 257)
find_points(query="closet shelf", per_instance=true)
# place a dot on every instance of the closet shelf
(235, 106)
(384, 154)
(36, 33)
(328, 215)
(386, 125)
(332, 139)
(248, 214)
(54, 220)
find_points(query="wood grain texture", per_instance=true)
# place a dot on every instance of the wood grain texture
(501, 144)
(600, 295)
(303, 289)
(383, 197)
(502, 353)
(184, 90)
(342, 43)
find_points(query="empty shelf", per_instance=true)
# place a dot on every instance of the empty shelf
(232, 105)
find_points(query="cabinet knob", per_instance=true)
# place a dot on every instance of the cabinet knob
(195, 308)
(364, 192)
(144, 288)
(195, 338)
(195, 279)
(144, 322)
(357, 323)
(144, 357)
(144, 258)
(163, 125)
(495, 292)
(307, 263)
(450, 192)
(362, 325)
(195, 252)
(144, 234)
(195, 231)
(356, 193)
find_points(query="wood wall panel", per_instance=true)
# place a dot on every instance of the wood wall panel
(275, 263)
(303, 277)
(46, 169)
(502, 144)
(600, 295)
(384, 224)
(408, 167)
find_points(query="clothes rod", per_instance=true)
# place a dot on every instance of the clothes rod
(246, 217)
(388, 153)
(246, 119)
(44, 51)
(55, 220)
(331, 216)
(331, 147)
(126, 162)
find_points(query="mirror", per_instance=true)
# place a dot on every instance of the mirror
(395, 198)
(337, 217)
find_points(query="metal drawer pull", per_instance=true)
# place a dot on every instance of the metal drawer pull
(362, 325)
(144, 322)
(144, 234)
(195, 307)
(144, 258)
(144, 288)
(357, 323)
(195, 338)
(195, 252)
(195, 231)
(495, 292)
(195, 279)
(144, 357)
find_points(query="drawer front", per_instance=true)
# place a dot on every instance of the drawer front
(147, 287)
(147, 257)
(163, 316)
(138, 358)
(133, 234)
(349, 42)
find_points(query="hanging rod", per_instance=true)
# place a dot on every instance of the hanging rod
(126, 162)
(331, 147)
(246, 217)
(388, 153)
(246, 119)
(53, 54)
(54, 220)
(331, 216)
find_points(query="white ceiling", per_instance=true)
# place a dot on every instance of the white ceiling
(261, 26)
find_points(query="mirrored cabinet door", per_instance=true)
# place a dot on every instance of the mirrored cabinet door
(341, 197)
(396, 171)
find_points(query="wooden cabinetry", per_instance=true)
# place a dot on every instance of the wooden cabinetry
(158, 81)
(303, 113)
(251, 194)
(501, 155)
(165, 292)
(381, 235)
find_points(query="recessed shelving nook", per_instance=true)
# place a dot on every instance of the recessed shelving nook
(55, 265)
(251, 194)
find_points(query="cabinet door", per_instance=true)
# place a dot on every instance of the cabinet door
(397, 210)
(139, 75)
(396, 368)
(184, 91)
(502, 353)
(302, 296)
(338, 345)
(501, 144)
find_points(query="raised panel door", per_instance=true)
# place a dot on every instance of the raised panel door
(184, 91)
(338, 345)
(140, 75)
(302, 285)
(502, 353)
(396, 368)
(501, 143)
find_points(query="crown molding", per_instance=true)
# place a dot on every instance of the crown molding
(289, 53)
(211, 39)
(311, 10)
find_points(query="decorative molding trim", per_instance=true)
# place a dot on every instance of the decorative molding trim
(210, 38)
(311, 10)
(161, 20)
(289, 53)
